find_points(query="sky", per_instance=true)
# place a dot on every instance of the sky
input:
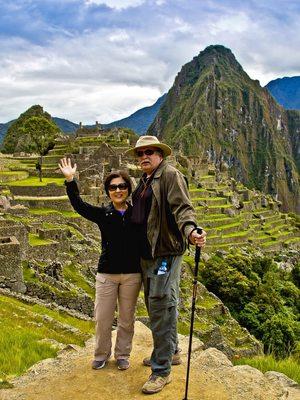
(101, 60)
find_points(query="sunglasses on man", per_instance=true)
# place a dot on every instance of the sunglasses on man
(147, 152)
(120, 186)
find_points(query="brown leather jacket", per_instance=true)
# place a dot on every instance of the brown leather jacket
(172, 216)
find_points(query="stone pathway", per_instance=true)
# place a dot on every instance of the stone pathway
(70, 377)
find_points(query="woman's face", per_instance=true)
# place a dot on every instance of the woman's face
(117, 194)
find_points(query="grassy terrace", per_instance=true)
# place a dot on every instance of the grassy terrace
(34, 181)
(35, 240)
(49, 211)
(34, 333)
(7, 177)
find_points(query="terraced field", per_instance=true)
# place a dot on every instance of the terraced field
(232, 218)
(252, 225)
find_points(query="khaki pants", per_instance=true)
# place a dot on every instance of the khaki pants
(111, 288)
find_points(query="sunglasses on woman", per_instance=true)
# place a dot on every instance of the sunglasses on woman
(147, 152)
(120, 186)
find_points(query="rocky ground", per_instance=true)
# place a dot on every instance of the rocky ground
(213, 377)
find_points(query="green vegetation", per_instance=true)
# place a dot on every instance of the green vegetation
(215, 110)
(289, 366)
(35, 240)
(48, 211)
(34, 181)
(33, 131)
(261, 296)
(72, 274)
(28, 273)
(8, 176)
(34, 333)
(42, 133)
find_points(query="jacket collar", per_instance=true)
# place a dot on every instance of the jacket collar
(160, 169)
(110, 207)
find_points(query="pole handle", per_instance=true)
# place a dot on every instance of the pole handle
(198, 249)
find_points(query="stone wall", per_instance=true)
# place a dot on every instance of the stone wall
(11, 273)
(51, 189)
(43, 252)
(54, 233)
(16, 229)
(61, 205)
(82, 303)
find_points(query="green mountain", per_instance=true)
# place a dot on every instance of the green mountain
(215, 110)
(17, 138)
(286, 91)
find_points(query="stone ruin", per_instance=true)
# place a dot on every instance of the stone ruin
(11, 273)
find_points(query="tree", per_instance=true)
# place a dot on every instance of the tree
(15, 139)
(280, 334)
(42, 133)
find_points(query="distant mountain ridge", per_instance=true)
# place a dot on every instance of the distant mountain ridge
(216, 110)
(3, 129)
(286, 91)
(139, 121)
(65, 125)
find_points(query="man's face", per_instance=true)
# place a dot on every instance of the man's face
(148, 162)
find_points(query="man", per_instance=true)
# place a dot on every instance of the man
(163, 211)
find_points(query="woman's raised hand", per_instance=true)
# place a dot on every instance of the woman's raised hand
(67, 169)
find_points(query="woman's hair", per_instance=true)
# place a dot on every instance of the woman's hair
(117, 174)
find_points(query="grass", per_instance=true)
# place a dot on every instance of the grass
(35, 240)
(288, 366)
(35, 181)
(47, 211)
(21, 337)
(72, 274)
(28, 273)
(41, 198)
(7, 177)
(13, 173)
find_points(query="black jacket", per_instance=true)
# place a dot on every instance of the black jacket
(120, 250)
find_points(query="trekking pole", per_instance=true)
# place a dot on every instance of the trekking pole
(195, 282)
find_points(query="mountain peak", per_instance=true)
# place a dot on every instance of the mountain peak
(216, 49)
(216, 60)
(219, 55)
(215, 108)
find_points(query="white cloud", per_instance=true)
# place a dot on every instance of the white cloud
(129, 58)
(118, 36)
(234, 23)
(117, 4)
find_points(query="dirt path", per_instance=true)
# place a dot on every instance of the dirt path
(70, 377)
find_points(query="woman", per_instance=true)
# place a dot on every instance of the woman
(118, 277)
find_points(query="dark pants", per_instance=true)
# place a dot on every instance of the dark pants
(161, 298)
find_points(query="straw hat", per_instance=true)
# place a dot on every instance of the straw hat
(149, 141)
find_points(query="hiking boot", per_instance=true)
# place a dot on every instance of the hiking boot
(176, 360)
(123, 364)
(155, 383)
(98, 364)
